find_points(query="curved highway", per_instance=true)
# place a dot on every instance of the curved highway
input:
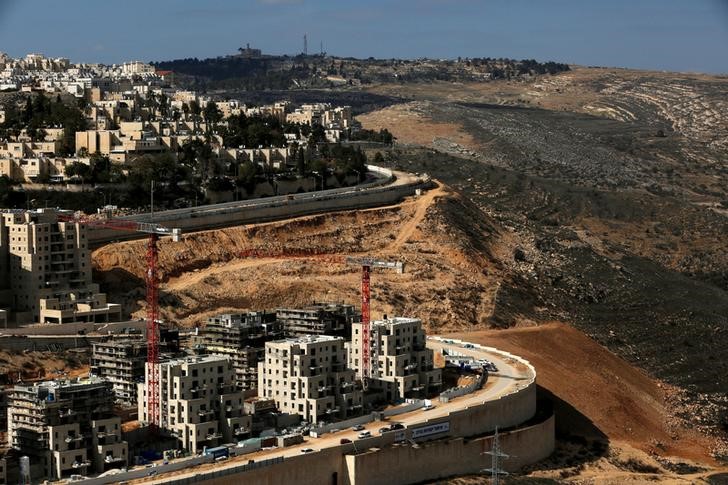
(513, 374)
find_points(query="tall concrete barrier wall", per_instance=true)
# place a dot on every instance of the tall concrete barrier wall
(381, 192)
(368, 462)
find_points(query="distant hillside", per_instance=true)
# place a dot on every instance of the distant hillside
(286, 72)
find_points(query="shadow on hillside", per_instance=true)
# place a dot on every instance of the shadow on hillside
(578, 440)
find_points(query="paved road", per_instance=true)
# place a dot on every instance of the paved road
(511, 376)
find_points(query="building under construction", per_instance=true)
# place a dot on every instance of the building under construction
(242, 338)
(120, 360)
(66, 427)
(319, 319)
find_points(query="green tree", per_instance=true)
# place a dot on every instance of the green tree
(213, 115)
(78, 170)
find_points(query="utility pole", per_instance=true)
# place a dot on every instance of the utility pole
(496, 455)
(305, 44)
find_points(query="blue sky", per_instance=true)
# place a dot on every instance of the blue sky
(678, 35)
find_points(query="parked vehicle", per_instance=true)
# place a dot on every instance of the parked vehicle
(358, 427)
(384, 430)
(344, 441)
(306, 450)
(365, 434)
(427, 407)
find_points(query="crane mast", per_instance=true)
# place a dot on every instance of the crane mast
(152, 283)
(370, 363)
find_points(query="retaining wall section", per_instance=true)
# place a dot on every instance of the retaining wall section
(384, 191)
(404, 464)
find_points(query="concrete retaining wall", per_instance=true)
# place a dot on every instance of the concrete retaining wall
(273, 208)
(404, 464)
(73, 328)
(45, 343)
(396, 464)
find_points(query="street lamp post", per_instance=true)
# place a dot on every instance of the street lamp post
(316, 174)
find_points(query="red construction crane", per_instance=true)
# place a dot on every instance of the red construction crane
(366, 264)
(152, 282)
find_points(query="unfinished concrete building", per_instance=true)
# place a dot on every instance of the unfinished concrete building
(319, 319)
(121, 362)
(401, 365)
(199, 402)
(242, 338)
(308, 376)
(67, 426)
(45, 271)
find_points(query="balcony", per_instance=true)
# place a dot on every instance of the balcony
(213, 436)
(205, 413)
(72, 438)
(113, 459)
(81, 464)
(197, 390)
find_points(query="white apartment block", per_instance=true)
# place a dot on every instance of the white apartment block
(199, 402)
(308, 376)
(45, 270)
(401, 365)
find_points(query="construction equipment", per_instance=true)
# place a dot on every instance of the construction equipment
(366, 263)
(152, 283)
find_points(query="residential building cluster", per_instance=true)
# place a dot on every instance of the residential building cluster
(240, 375)
(131, 110)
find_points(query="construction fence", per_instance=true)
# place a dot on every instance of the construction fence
(410, 405)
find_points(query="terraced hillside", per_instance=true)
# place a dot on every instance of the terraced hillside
(618, 196)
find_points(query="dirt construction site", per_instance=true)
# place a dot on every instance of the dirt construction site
(457, 261)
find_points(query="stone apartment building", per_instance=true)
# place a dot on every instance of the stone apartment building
(319, 319)
(402, 366)
(199, 402)
(134, 138)
(66, 427)
(45, 271)
(308, 376)
(242, 338)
